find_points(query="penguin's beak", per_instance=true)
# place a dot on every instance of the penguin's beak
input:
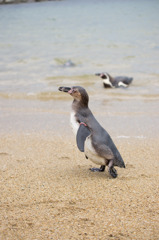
(102, 75)
(64, 89)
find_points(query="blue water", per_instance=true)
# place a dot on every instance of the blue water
(36, 39)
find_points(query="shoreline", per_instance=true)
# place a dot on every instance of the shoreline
(130, 118)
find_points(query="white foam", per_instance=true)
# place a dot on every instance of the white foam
(122, 136)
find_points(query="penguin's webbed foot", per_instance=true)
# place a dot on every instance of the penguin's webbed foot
(101, 169)
(113, 172)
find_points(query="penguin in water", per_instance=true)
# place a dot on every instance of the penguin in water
(114, 82)
(69, 63)
(91, 137)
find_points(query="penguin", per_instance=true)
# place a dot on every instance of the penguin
(69, 63)
(91, 137)
(114, 82)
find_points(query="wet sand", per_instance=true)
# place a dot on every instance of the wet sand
(48, 192)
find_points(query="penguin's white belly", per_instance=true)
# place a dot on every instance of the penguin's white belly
(91, 153)
(74, 124)
(122, 84)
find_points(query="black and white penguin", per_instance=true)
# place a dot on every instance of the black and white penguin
(91, 137)
(114, 82)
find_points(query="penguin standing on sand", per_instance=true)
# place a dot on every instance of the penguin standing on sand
(114, 82)
(91, 137)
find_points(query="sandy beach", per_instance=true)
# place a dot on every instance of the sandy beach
(48, 192)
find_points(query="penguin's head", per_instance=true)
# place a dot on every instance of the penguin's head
(77, 92)
(103, 75)
(106, 79)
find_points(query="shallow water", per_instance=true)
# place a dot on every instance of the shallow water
(120, 37)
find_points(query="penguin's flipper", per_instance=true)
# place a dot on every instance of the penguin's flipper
(82, 134)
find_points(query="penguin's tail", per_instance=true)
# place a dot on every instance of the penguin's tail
(119, 162)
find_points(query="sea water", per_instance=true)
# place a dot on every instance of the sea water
(39, 40)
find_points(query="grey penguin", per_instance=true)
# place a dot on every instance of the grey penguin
(114, 82)
(69, 63)
(91, 137)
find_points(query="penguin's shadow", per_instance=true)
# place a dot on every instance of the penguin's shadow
(123, 174)
(127, 174)
(85, 172)
(129, 165)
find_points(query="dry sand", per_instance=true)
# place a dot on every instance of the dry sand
(47, 191)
